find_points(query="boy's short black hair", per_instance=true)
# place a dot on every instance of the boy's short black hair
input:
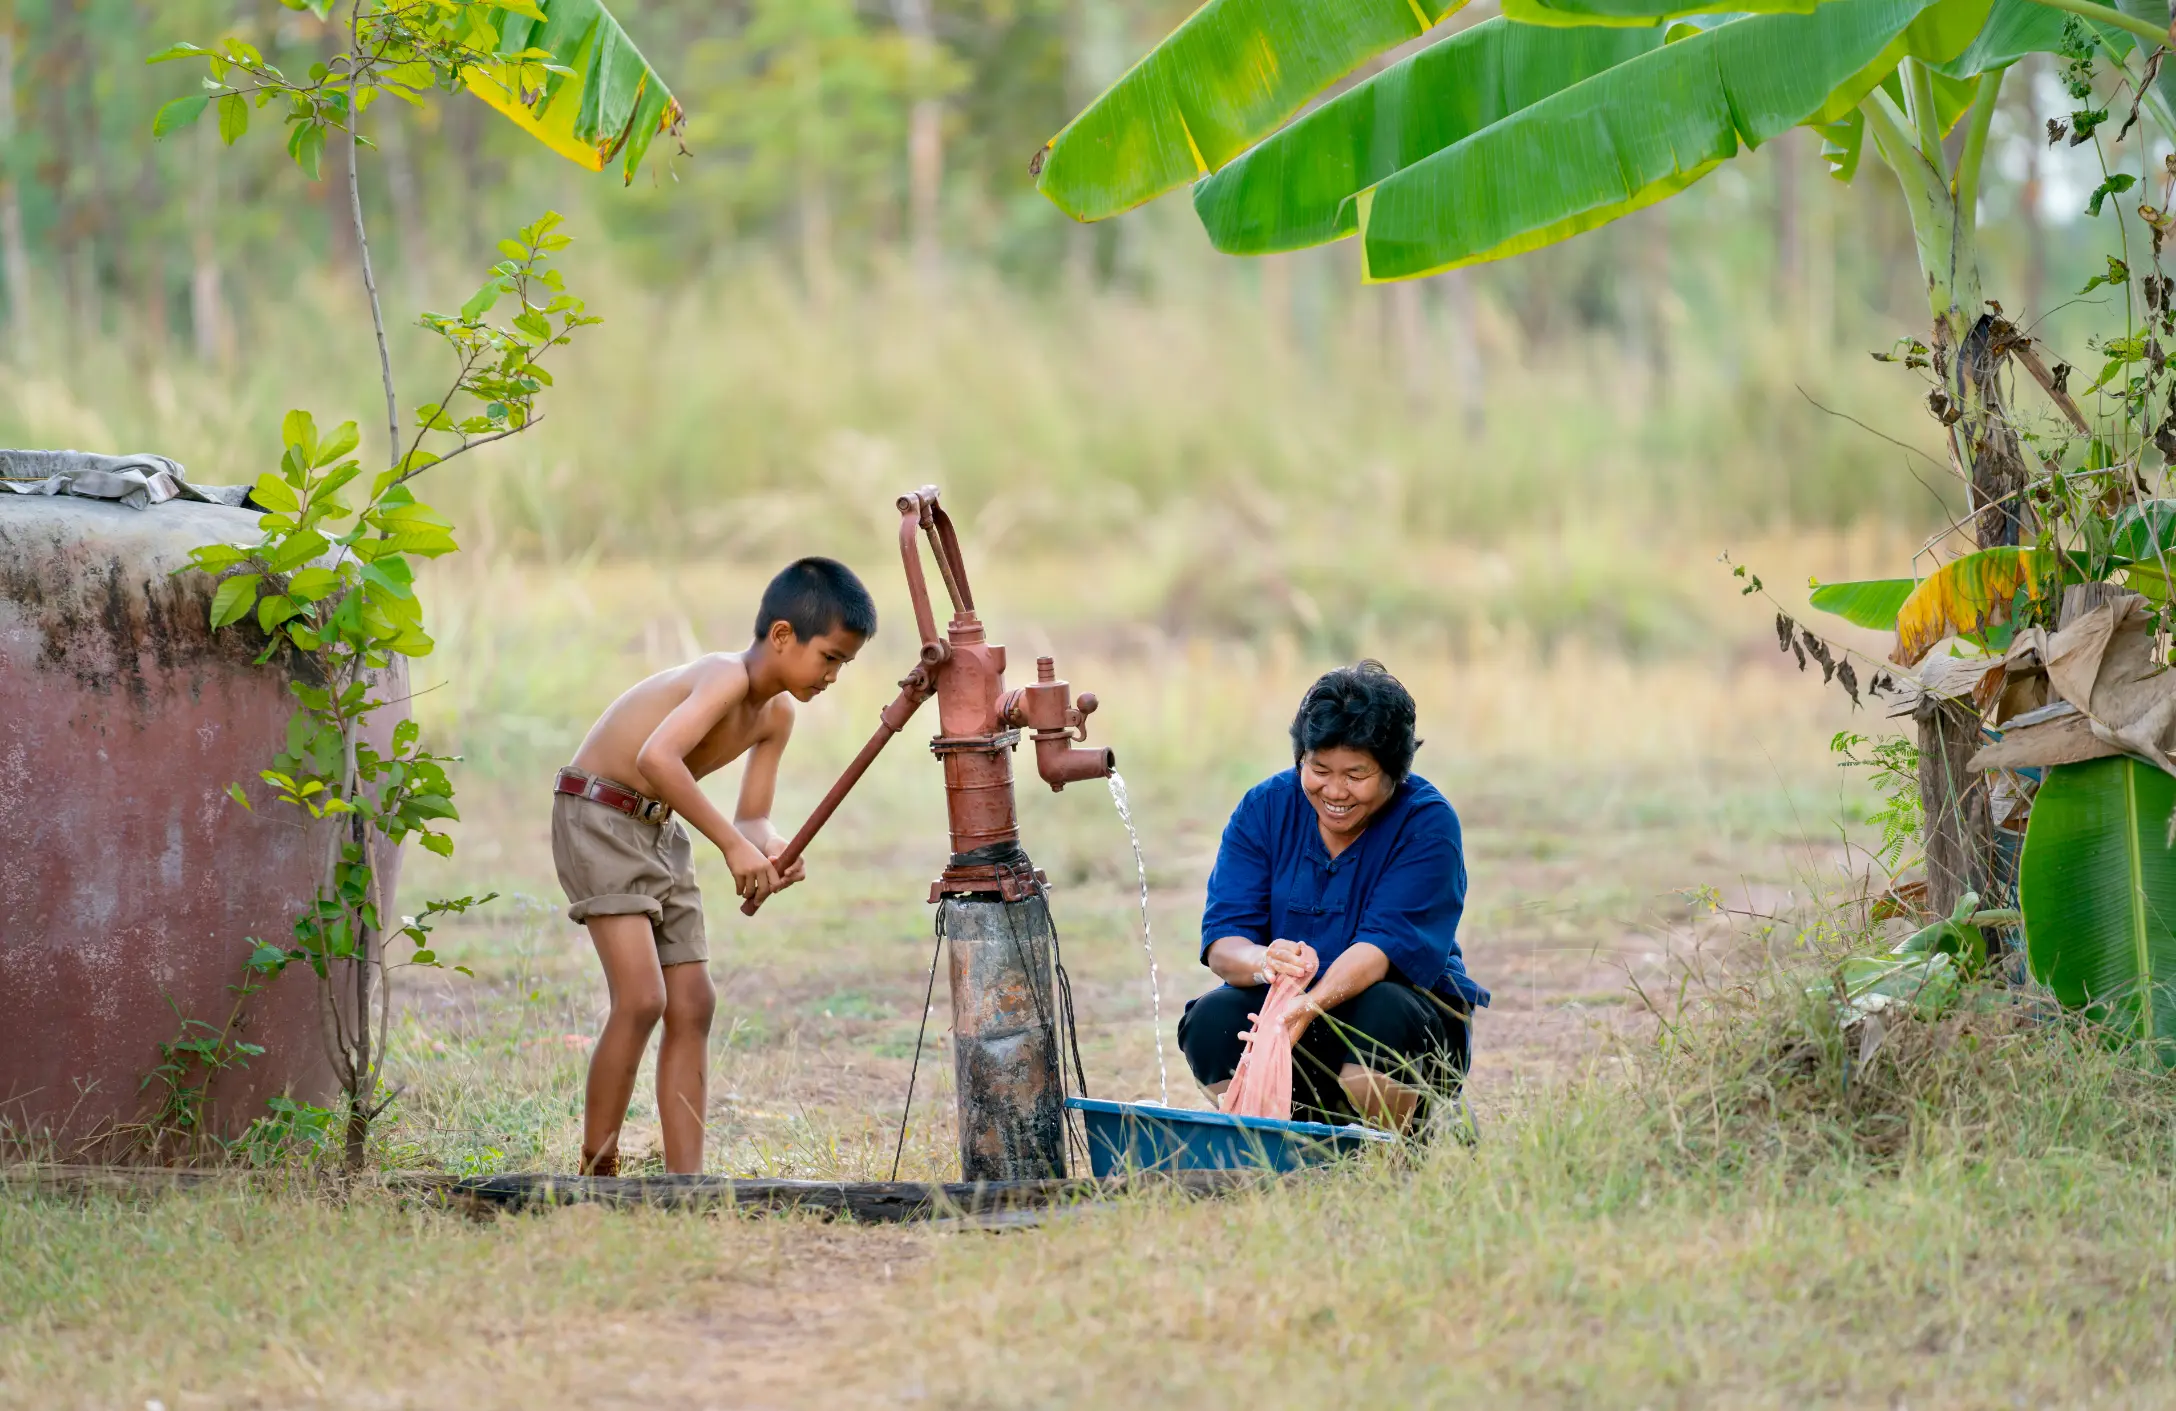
(814, 596)
(1360, 707)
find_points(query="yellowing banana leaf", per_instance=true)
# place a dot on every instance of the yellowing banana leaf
(1630, 136)
(1230, 75)
(1873, 603)
(1969, 595)
(611, 105)
(1290, 191)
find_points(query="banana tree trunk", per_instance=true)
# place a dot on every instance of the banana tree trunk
(1984, 449)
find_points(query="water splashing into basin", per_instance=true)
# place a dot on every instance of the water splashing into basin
(1155, 985)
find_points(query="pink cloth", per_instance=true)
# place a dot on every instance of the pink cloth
(1262, 1087)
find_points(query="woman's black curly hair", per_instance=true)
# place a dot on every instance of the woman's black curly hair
(1360, 707)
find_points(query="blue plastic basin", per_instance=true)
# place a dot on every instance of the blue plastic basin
(1146, 1136)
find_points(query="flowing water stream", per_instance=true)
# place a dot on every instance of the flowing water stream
(1155, 985)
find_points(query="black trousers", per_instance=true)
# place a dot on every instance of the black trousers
(1418, 1038)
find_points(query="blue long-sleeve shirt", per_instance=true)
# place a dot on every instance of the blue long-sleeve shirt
(1400, 886)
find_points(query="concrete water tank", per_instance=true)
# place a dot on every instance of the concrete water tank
(128, 879)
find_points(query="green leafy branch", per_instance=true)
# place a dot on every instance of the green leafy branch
(401, 50)
(331, 581)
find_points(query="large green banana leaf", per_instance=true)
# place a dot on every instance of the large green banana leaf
(2161, 98)
(1873, 602)
(2144, 532)
(1291, 190)
(610, 105)
(1642, 131)
(2016, 28)
(1969, 593)
(1640, 13)
(2097, 885)
(1237, 70)
(1231, 74)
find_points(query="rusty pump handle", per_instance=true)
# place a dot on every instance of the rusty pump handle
(916, 513)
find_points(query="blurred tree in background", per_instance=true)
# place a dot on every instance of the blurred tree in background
(850, 252)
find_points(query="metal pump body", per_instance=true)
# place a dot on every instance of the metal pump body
(996, 915)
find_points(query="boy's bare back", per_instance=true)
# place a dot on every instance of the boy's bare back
(711, 698)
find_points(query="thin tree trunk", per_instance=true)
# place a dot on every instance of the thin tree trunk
(84, 217)
(1467, 373)
(813, 213)
(333, 190)
(396, 149)
(1655, 258)
(14, 254)
(1276, 291)
(925, 140)
(213, 332)
(1789, 156)
(370, 288)
(1818, 308)
(369, 939)
(925, 176)
(148, 273)
(2029, 194)
(464, 127)
(362, 1090)
(1407, 346)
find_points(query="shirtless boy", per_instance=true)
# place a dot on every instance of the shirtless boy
(626, 863)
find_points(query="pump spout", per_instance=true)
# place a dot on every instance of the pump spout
(1060, 764)
(1047, 708)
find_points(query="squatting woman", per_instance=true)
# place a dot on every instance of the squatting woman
(1351, 853)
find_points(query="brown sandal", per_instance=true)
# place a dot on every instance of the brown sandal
(604, 1163)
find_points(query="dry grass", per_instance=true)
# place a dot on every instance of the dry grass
(1697, 1224)
(728, 415)
(1195, 531)
(244, 1298)
(1984, 1214)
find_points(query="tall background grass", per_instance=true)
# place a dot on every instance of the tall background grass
(1238, 448)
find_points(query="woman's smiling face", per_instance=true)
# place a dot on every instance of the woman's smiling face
(1347, 788)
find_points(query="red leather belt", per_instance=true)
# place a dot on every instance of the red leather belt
(589, 786)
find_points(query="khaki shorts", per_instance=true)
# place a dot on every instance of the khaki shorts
(613, 865)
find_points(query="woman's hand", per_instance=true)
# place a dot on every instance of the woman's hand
(1301, 1014)
(1288, 958)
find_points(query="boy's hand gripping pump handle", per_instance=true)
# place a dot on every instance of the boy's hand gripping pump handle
(979, 722)
(978, 719)
(914, 690)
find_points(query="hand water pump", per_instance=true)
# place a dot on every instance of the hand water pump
(996, 917)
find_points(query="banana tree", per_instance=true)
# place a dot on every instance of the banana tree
(1559, 116)
(1562, 115)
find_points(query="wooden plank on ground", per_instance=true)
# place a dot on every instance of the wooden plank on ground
(881, 1201)
(877, 1201)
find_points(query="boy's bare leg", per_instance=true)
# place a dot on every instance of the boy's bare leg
(683, 1064)
(636, 984)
